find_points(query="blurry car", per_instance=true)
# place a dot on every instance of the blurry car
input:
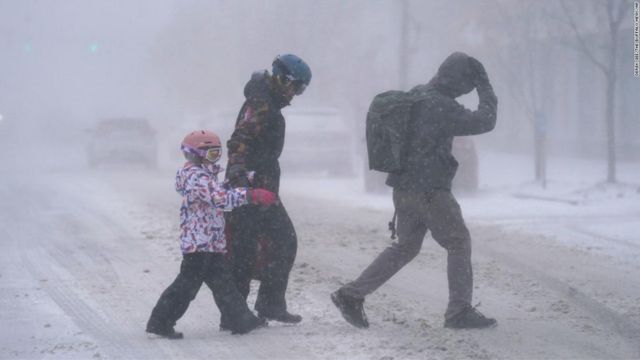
(317, 140)
(466, 179)
(123, 141)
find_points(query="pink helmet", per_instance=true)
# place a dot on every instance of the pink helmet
(201, 144)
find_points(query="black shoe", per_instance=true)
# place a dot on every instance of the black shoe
(166, 333)
(251, 322)
(282, 316)
(470, 318)
(351, 308)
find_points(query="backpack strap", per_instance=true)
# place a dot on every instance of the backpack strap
(411, 123)
(392, 223)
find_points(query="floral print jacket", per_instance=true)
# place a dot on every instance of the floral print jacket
(203, 202)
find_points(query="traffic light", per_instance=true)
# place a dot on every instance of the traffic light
(93, 47)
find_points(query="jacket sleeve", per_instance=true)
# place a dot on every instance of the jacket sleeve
(202, 187)
(462, 121)
(248, 128)
(228, 199)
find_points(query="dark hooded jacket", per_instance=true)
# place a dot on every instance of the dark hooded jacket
(258, 138)
(438, 117)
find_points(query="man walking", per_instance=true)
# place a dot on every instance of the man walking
(254, 148)
(422, 192)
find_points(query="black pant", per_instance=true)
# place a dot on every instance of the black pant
(196, 268)
(247, 224)
(439, 212)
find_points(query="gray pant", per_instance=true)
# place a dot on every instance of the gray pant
(439, 212)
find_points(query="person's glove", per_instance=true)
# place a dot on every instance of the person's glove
(480, 76)
(237, 175)
(488, 99)
(261, 197)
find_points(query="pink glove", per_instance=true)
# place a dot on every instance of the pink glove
(261, 197)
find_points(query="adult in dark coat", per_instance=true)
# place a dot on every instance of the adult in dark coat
(422, 192)
(254, 149)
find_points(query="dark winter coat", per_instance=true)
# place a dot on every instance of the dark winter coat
(258, 138)
(437, 118)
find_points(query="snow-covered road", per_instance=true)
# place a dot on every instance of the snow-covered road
(86, 254)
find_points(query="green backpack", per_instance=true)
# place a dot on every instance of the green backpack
(387, 130)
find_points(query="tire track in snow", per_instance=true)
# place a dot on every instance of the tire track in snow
(626, 329)
(46, 258)
(112, 340)
(596, 236)
(544, 219)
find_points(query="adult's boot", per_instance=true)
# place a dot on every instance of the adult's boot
(351, 308)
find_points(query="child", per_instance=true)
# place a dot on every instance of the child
(203, 243)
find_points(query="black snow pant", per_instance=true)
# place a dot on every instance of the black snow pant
(248, 223)
(212, 269)
(439, 212)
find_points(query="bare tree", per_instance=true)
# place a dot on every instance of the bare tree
(523, 33)
(615, 12)
(529, 48)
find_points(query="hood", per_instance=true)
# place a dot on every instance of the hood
(261, 86)
(454, 77)
(181, 178)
